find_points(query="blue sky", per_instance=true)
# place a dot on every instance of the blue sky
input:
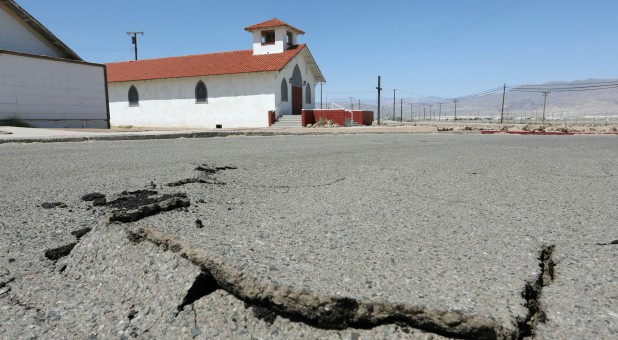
(446, 48)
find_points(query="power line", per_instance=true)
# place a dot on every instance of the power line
(458, 33)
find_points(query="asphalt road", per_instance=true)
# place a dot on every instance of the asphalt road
(358, 236)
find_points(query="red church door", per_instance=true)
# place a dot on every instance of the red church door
(297, 100)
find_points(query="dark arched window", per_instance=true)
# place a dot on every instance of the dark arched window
(133, 96)
(201, 93)
(284, 90)
(308, 94)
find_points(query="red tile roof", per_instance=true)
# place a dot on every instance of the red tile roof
(200, 65)
(272, 23)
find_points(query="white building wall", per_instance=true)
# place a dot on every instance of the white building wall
(16, 37)
(285, 108)
(234, 101)
(52, 93)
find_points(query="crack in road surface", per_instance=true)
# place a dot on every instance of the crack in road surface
(326, 312)
(607, 244)
(329, 183)
(532, 293)
(55, 254)
(206, 176)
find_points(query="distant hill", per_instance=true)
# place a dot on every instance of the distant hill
(571, 104)
(574, 102)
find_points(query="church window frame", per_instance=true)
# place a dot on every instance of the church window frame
(133, 96)
(268, 37)
(308, 94)
(284, 90)
(201, 93)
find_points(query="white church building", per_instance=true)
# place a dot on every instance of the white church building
(42, 81)
(247, 88)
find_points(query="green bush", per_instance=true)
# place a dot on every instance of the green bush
(14, 121)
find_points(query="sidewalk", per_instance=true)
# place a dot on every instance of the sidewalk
(36, 135)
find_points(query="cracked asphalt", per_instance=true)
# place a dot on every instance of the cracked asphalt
(357, 236)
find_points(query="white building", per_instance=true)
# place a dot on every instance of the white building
(42, 81)
(218, 90)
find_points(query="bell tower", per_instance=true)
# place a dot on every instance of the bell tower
(273, 36)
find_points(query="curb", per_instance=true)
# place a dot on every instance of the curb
(205, 134)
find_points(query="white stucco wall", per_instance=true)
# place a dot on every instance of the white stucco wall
(52, 93)
(16, 37)
(234, 101)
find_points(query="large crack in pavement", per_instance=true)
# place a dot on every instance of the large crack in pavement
(206, 176)
(321, 311)
(532, 294)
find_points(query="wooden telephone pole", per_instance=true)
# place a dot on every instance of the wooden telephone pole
(134, 40)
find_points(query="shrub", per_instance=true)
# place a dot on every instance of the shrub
(14, 121)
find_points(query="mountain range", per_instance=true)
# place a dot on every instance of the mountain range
(592, 97)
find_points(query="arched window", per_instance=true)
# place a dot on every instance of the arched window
(133, 96)
(201, 93)
(308, 94)
(297, 79)
(284, 90)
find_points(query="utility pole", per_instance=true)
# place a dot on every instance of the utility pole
(411, 113)
(455, 101)
(401, 108)
(424, 115)
(502, 112)
(440, 113)
(351, 103)
(545, 93)
(430, 112)
(359, 104)
(394, 104)
(134, 40)
(379, 89)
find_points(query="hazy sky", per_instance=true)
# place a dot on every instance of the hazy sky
(447, 48)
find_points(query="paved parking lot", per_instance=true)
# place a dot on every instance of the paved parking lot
(334, 236)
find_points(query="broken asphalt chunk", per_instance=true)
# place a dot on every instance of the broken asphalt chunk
(57, 253)
(53, 205)
(134, 208)
(80, 232)
(92, 196)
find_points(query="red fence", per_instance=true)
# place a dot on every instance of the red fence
(337, 116)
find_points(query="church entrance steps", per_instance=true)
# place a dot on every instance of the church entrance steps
(289, 121)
